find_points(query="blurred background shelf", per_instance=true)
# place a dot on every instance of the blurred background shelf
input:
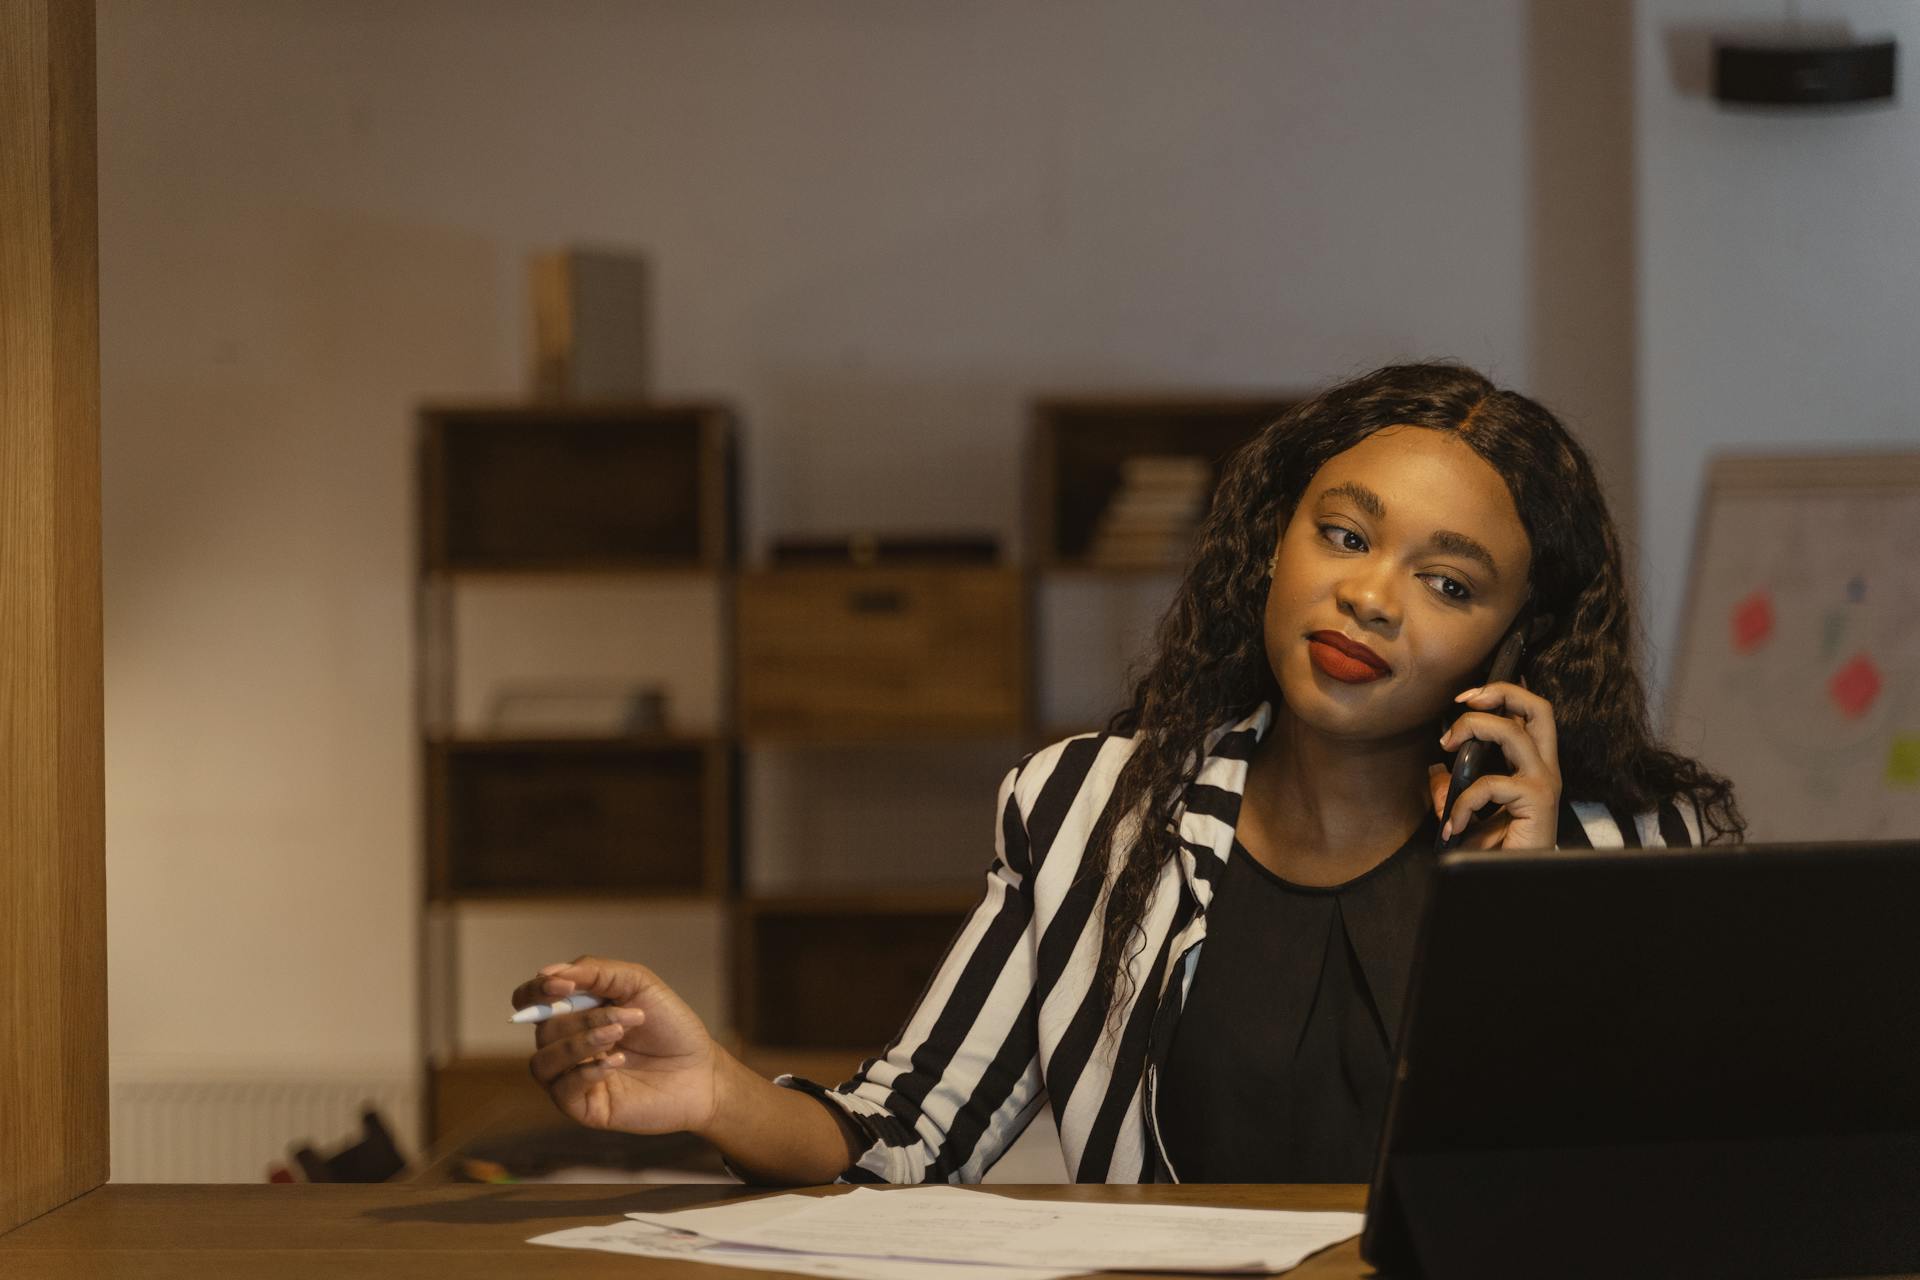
(1082, 447)
(613, 567)
(581, 778)
(578, 487)
(838, 972)
(795, 839)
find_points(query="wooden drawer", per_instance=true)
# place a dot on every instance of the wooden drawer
(858, 653)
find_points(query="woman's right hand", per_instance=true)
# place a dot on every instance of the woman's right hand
(642, 1062)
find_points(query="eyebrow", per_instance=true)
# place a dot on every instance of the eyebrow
(1447, 540)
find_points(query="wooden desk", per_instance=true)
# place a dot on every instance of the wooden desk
(164, 1232)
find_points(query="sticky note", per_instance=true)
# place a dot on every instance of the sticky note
(1752, 621)
(1903, 761)
(1854, 686)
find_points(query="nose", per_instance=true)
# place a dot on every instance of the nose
(1370, 596)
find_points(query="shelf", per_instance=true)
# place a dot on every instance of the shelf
(930, 733)
(798, 957)
(560, 817)
(941, 899)
(581, 567)
(577, 488)
(1088, 569)
(516, 897)
(566, 744)
(1079, 444)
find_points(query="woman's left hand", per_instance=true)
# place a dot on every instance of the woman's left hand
(1528, 799)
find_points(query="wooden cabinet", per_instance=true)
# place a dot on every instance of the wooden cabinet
(872, 652)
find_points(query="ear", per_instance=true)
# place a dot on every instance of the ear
(1538, 629)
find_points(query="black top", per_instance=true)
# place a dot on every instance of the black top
(1283, 1057)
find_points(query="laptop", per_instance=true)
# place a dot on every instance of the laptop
(1649, 1062)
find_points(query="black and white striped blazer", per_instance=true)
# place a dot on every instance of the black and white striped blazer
(1009, 1023)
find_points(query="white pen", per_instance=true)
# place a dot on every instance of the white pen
(541, 1012)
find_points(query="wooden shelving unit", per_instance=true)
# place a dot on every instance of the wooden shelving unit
(628, 493)
(844, 657)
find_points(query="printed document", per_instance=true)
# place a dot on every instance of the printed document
(645, 1240)
(956, 1232)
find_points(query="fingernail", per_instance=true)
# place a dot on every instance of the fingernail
(609, 1033)
(551, 969)
(629, 1017)
(1446, 829)
(1462, 697)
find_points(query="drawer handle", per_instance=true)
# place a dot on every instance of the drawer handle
(876, 600)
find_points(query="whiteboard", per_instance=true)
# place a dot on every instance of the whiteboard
(1799, 667)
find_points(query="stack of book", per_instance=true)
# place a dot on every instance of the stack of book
(1151, 520)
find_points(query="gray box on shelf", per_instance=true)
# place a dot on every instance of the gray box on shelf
(590, 325)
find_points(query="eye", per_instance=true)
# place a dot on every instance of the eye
(1342, 537)
(1452, 588)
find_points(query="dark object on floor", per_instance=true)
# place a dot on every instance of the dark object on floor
(374, 1158)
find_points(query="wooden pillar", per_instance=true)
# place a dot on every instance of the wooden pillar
(1583, 347)
(53, 977)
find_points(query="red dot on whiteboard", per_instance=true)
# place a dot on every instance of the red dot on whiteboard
(1752, 621)
(1854, 686)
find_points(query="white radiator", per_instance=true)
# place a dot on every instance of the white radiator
(213, 1130)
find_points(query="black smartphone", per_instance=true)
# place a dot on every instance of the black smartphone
(1479, 756)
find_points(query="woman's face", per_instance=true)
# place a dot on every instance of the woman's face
(1399, 571)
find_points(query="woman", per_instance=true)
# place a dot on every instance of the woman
(1274, 791)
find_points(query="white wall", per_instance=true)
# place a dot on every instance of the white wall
(1779, 275)
(877, 228)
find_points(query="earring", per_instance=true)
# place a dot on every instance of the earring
(1273, 565)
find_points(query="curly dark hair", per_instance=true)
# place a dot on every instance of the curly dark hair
(1210, 668)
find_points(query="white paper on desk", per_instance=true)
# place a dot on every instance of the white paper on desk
(951, 1224)
(734, 1215)
(645, 1240)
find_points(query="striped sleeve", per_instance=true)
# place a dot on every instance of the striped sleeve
(962, 1079)
(1588, 824)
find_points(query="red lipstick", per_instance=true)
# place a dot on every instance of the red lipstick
(1345, 660)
